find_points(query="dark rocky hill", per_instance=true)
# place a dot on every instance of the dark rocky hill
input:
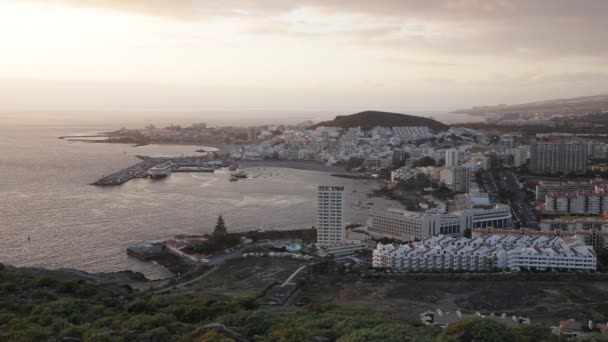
(370, 119)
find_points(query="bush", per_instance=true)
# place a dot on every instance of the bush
(480, 330)
(46, 282)
(251, 323)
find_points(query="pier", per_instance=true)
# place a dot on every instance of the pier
(179, 164)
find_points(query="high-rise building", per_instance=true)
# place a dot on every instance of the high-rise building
(520, 156)
(330, 219)
(251, 134)
(452, 157)
(399, 157)
(554, 157)
(456, 178)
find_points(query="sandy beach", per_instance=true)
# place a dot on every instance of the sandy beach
(309, 165)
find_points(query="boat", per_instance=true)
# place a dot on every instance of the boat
(239, 173)
(233, 167)
(233, 179)
(160, 171)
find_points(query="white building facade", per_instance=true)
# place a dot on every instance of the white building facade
(409, 226)
(487, 253)
(457, 178)
(330, 219)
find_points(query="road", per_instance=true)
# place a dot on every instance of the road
(524, 210)
(219, 259)
(490, 186)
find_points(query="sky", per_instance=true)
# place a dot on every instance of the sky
(283, 54)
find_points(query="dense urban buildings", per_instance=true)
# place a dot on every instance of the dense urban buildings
(558, 157)
(409, 226)
(487, 253)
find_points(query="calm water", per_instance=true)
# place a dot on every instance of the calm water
(44, 194)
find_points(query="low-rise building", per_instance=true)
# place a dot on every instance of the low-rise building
(597, 239)
(408, 225)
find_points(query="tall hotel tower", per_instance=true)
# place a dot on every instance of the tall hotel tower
(330, 222)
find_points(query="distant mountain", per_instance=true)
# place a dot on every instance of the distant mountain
(370, 119)
(572, 106)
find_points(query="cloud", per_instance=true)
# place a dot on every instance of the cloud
(520, 28)
(424, 63)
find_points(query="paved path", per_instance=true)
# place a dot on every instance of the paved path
(178, 286)
(294, 275)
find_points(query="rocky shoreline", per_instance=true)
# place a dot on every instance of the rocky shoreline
(125, 277)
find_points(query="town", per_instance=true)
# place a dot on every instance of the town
(472, 201)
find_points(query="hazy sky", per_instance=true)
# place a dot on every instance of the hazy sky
(319, 54)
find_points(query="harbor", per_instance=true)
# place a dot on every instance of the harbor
(160, 167)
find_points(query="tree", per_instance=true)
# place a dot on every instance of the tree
(353, 163)
(220, 227)
(424, 161)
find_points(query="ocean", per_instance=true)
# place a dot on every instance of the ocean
(45, 196)
(51, 217)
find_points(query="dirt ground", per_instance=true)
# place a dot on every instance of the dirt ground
(246, 276)
(543, 302)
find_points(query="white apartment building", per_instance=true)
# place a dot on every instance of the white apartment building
(497, 251)
(543, 188)
(330, 220)
(573, 223)
(457, 178)
(520, 156)
(558, 156)
(452, 157)
(412, 133)
(581, 203)
(409, 226)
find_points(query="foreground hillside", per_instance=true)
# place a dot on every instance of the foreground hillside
(370, 119)
(47, 308)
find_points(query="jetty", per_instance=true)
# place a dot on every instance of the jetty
(179, 164)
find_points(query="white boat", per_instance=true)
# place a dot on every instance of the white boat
(160, 170)
(233, 179)
(240, 173)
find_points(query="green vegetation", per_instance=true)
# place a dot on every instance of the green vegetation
(37, 307)
(220, 227)
(353, 163)
(219, 241)
(443, 193)
(423, 162)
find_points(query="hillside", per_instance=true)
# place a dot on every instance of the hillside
(571, 106)
(370, 119)
(50, 308)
